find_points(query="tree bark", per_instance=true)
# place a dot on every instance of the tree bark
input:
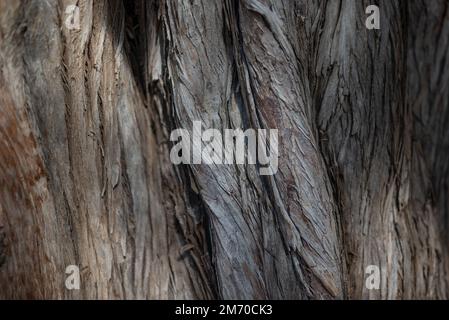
(86, 177)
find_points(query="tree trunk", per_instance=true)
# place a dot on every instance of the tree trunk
(86, 177)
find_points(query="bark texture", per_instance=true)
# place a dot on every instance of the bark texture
(86, 178)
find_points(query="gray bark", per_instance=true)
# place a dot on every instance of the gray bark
(86, 178)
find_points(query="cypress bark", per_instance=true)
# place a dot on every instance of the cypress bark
(86, 177)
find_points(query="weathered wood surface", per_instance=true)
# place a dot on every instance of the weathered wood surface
(86, 178)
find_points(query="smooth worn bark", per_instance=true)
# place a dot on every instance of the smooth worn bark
(85, 171)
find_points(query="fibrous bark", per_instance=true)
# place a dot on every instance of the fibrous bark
(86, 178)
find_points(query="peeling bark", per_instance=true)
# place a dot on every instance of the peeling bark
(86, 178)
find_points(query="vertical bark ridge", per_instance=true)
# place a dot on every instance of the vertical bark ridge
(113, 203)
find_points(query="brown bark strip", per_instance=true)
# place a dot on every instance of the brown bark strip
(86, 178)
